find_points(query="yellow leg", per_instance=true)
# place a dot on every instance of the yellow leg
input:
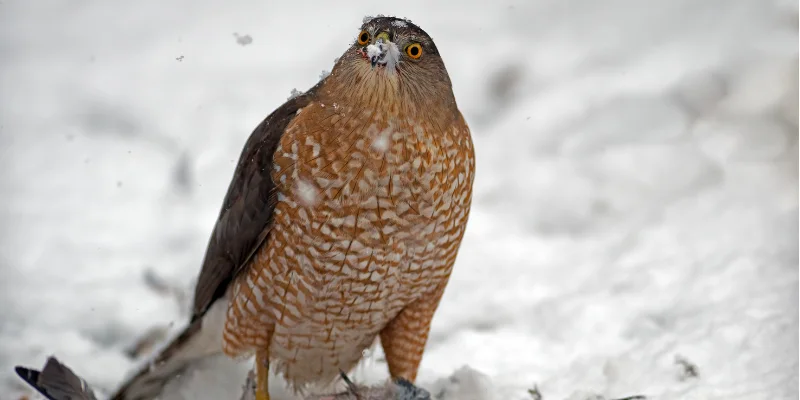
(262, 375)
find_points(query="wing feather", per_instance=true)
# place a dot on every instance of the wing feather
(244, 220)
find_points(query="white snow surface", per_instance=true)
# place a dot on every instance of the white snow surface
(636, 196)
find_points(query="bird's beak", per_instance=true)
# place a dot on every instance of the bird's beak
(373, 59)
(380, 52)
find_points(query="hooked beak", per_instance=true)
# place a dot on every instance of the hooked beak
(376, 52)
(382, 52)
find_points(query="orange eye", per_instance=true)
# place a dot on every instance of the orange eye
(363, 38)
(414, 51)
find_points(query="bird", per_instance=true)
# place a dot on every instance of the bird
(340, 226)
(56, 381)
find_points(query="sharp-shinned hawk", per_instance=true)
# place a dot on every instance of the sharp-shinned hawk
(341, 223)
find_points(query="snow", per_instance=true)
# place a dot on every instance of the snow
(375, 51)
(636, 197)
(306, 192)
(383, 139)
(383, 53)
(368, 18)
(295, 93)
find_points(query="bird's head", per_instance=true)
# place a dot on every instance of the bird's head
(393, 59)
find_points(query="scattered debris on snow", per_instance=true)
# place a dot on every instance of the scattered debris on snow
(161, 286)
(243, 40)
(593, 396)
(249, 387)
(147, 342)
(535, 393)
(686, 369)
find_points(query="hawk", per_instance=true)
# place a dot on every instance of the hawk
(341, 223)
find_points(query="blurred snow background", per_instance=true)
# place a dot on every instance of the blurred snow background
(635, 208)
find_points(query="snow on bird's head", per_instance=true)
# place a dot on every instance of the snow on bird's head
(400, 31)
(368, 18)
(398, 22)
(383, 53)
(294, 93)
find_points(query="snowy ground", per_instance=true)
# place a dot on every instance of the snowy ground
(636, 197)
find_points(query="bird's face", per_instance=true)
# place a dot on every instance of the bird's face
(387, 42)
(396, 58)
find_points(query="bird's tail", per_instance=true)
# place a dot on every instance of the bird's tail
(56, 382)
(201, 339)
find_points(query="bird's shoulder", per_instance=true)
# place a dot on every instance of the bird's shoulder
(247, 208)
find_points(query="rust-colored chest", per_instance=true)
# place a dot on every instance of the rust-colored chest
(370, 214)
(377, 203)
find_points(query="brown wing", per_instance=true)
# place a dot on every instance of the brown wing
(246, 214)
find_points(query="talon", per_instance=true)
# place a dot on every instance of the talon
(350, 385)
